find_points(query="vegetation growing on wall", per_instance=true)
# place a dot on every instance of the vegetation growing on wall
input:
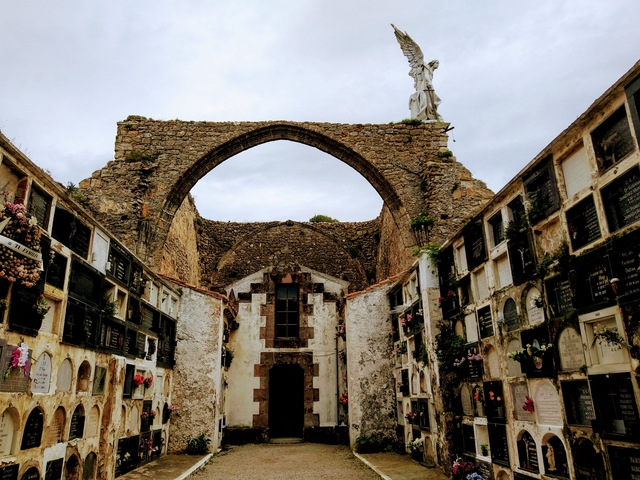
(322, 218)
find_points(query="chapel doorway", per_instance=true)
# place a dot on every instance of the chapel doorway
(286, 401)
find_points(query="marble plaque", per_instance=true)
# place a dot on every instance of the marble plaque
(135, 419)
(465, 398)
(519, 393)
(41, 374)
(494, 363)
(33, 430)
(514, 369)
(547, 405)
(63, 383)
(93, 422)
(571, 350)
(6, 433)
(535, 314)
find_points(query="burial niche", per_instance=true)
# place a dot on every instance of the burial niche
(33, 429)
(55, 431)
(41, 374)
(84, 375)
(76, 428)
(528, 453)
(64, 376)
(587, 463)
(8, 423)
(554, 457)
(31, 474)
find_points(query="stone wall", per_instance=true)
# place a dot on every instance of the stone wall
(197, 381)
(392, 256)
(157, 163)
(230, 251)
(180, 257)
(372, 400)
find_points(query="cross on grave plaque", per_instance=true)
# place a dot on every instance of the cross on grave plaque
(571, 350)
(528, 453)
(41, 374)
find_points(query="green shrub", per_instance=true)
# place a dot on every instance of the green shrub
(322, 218)
(412, 121)
(445, 154)
(198, 445)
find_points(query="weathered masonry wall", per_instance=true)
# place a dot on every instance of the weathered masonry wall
(370, 371)
(180, 256)
(230, 251)
(157, 163)
(198, 379)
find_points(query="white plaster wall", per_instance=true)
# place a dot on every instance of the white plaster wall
(372, 407)
(323, 346)
(246, 345)
(198, 370)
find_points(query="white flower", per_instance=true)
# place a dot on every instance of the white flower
(33, 221)
(24, 355)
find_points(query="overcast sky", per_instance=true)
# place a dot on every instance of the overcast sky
(512, 76)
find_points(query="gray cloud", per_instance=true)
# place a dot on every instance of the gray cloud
(512, 76)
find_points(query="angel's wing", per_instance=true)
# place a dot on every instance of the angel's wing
(410, 48)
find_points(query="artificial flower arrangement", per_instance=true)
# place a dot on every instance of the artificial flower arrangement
(472, 357)
(534, 350)
(150, 414)
(19, 231)
(172, 408)
(399, 350)
(341, 331)
(460, 467)
(450, 294)
(410, 416)
(41, 306)
(536, 301)
(344, 399)
(148, 382)
(19, 359)
(528, 404)
(138, 379)
(609, 337)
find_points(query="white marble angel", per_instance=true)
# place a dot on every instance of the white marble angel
(424, 102)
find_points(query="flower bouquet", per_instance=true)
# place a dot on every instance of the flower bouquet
(138, 379)
(19, 245)
(19, 359)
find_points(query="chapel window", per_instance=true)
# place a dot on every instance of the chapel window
(287, 311)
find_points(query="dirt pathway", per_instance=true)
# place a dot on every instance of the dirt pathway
(308, 461)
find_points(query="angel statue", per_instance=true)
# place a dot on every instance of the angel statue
(424, 102)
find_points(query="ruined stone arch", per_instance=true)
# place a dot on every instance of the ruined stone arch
(157, 163)
(294, 133)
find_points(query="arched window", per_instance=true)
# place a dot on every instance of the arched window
(64, 376)
(9, 424)
(76, 428)
(84, 375)
(528, 453)
(32, 433)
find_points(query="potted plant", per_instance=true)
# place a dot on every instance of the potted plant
(484, 449)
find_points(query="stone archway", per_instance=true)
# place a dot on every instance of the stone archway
(158, 162)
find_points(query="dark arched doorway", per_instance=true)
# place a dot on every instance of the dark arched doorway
(286, 401)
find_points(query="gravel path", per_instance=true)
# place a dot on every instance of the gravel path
(308, 461)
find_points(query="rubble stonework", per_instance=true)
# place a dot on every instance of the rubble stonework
(230, 251)
(158, 162)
